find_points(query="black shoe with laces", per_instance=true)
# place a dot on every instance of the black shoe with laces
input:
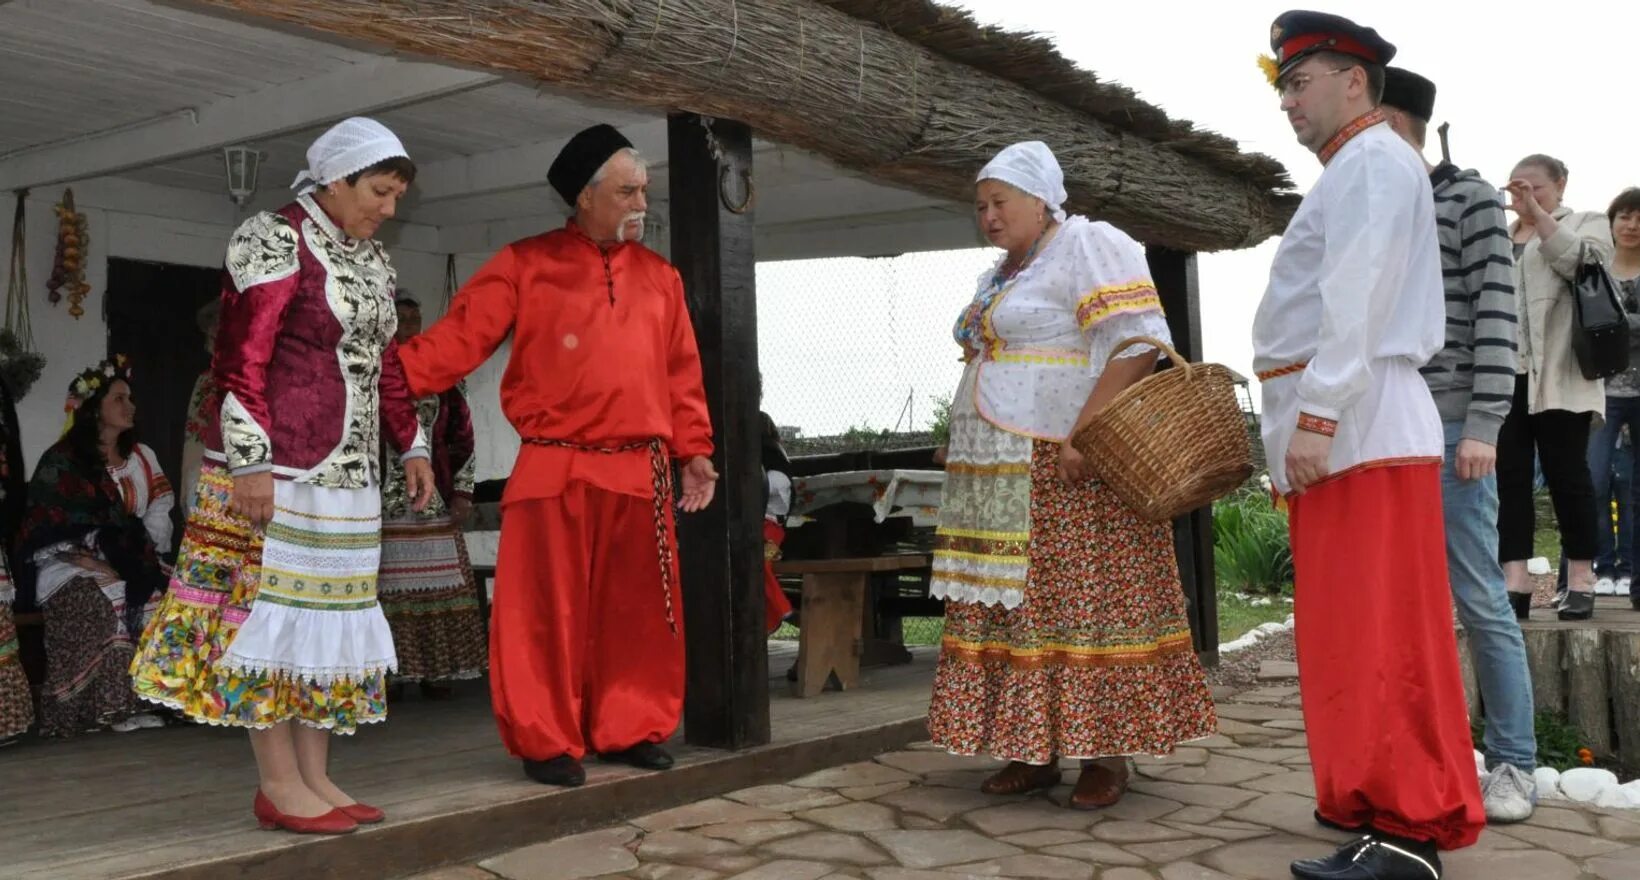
(1522, 603)
(644, 755)
(1375, 857)
(1579, 605)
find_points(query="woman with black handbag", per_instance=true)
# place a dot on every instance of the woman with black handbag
(1555, 401)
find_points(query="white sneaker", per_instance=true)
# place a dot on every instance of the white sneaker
(125, 726)
(1622, 587)
(1508, 794)
(1605, 587)
(147, 721)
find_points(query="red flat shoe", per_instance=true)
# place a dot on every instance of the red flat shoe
(269, 817)
(364, 814)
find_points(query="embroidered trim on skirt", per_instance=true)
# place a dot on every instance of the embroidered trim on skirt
(88, 653)
(16, 703)
(1097, 661)
(261, 628)
(431, 601)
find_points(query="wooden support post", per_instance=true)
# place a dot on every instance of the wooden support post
(1545, 657)
(1175, 275)
(722, 547)
(1623, 673)
(1588, 702)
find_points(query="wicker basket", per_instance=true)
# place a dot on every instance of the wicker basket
(1173, 441)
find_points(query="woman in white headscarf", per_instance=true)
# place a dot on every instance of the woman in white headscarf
(271, 616)
(1065, 628)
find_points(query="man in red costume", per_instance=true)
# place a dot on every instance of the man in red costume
(604, 387)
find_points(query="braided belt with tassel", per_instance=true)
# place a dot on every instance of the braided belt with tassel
(660, 468)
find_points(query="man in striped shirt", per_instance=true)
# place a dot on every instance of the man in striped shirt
(1473, 382)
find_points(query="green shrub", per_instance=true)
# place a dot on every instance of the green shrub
(1251, 552)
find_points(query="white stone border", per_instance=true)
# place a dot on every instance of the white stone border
(1255, 635)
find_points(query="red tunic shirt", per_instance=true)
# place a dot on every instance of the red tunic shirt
(603, 355)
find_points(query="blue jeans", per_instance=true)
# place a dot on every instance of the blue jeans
(1470, 509)
(1612, 472)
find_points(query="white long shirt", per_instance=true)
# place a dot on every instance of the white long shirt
(1356, 297)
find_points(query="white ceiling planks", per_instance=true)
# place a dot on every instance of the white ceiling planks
(141, 90)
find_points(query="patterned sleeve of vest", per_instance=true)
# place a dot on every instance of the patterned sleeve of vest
(262, 266)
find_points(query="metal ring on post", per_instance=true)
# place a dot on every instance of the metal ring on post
(723, 190)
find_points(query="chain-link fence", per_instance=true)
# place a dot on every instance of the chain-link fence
(857, 353)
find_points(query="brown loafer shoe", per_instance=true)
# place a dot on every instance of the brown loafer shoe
(1019, 778)
(1099, 786)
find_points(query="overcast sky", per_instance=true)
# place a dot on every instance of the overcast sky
(1556, 78)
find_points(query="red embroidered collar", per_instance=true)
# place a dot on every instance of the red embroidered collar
(1348, 132)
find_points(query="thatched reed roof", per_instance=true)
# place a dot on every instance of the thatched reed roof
(906, 91)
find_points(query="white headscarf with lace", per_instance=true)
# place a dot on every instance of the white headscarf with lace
(1030, 167)
(350, 146)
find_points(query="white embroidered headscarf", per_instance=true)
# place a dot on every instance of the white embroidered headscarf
(349, 146)
(1030, 167)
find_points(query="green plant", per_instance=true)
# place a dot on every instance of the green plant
(941, 426)
(1250, 547)
(1558, 742)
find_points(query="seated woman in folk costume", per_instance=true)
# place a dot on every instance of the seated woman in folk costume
(427, 588)
(16, 700)
(97, 528)
(1065, 628)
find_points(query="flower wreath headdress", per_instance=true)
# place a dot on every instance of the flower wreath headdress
(86, 385)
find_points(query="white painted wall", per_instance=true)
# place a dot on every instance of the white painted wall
(69, 345)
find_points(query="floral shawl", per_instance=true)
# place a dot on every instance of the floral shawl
(67, 502)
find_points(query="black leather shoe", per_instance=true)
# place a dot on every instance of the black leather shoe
(562, 770)
(1326, 866)
(1522, 603)
(644, 755)
(1578, 606)
(1374, 858)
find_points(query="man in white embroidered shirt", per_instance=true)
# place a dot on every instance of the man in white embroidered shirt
(1354, 307)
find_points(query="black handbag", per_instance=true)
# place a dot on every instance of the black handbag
(1601, 338)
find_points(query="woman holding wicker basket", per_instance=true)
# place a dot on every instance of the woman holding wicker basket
(1065, 627)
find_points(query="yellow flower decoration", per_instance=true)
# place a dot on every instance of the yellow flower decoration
(1272, 70)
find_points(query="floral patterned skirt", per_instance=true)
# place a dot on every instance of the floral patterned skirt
(431, 601)
(259, 628)
(16, 703)
(1096, 661)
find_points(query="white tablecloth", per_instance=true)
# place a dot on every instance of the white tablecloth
(889, 492)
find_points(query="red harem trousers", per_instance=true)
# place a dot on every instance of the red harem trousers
(581, 657)
(1377, 658)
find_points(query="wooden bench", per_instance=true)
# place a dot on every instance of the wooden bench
(833, 608)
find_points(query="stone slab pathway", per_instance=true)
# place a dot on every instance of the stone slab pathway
(1237, 805)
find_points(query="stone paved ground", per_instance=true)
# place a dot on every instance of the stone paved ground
(1235, 806)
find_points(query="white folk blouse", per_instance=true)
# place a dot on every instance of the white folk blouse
(1355, 306)
(1040, 342)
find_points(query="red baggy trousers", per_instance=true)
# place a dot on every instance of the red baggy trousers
(581, 656)
(1377, 657)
